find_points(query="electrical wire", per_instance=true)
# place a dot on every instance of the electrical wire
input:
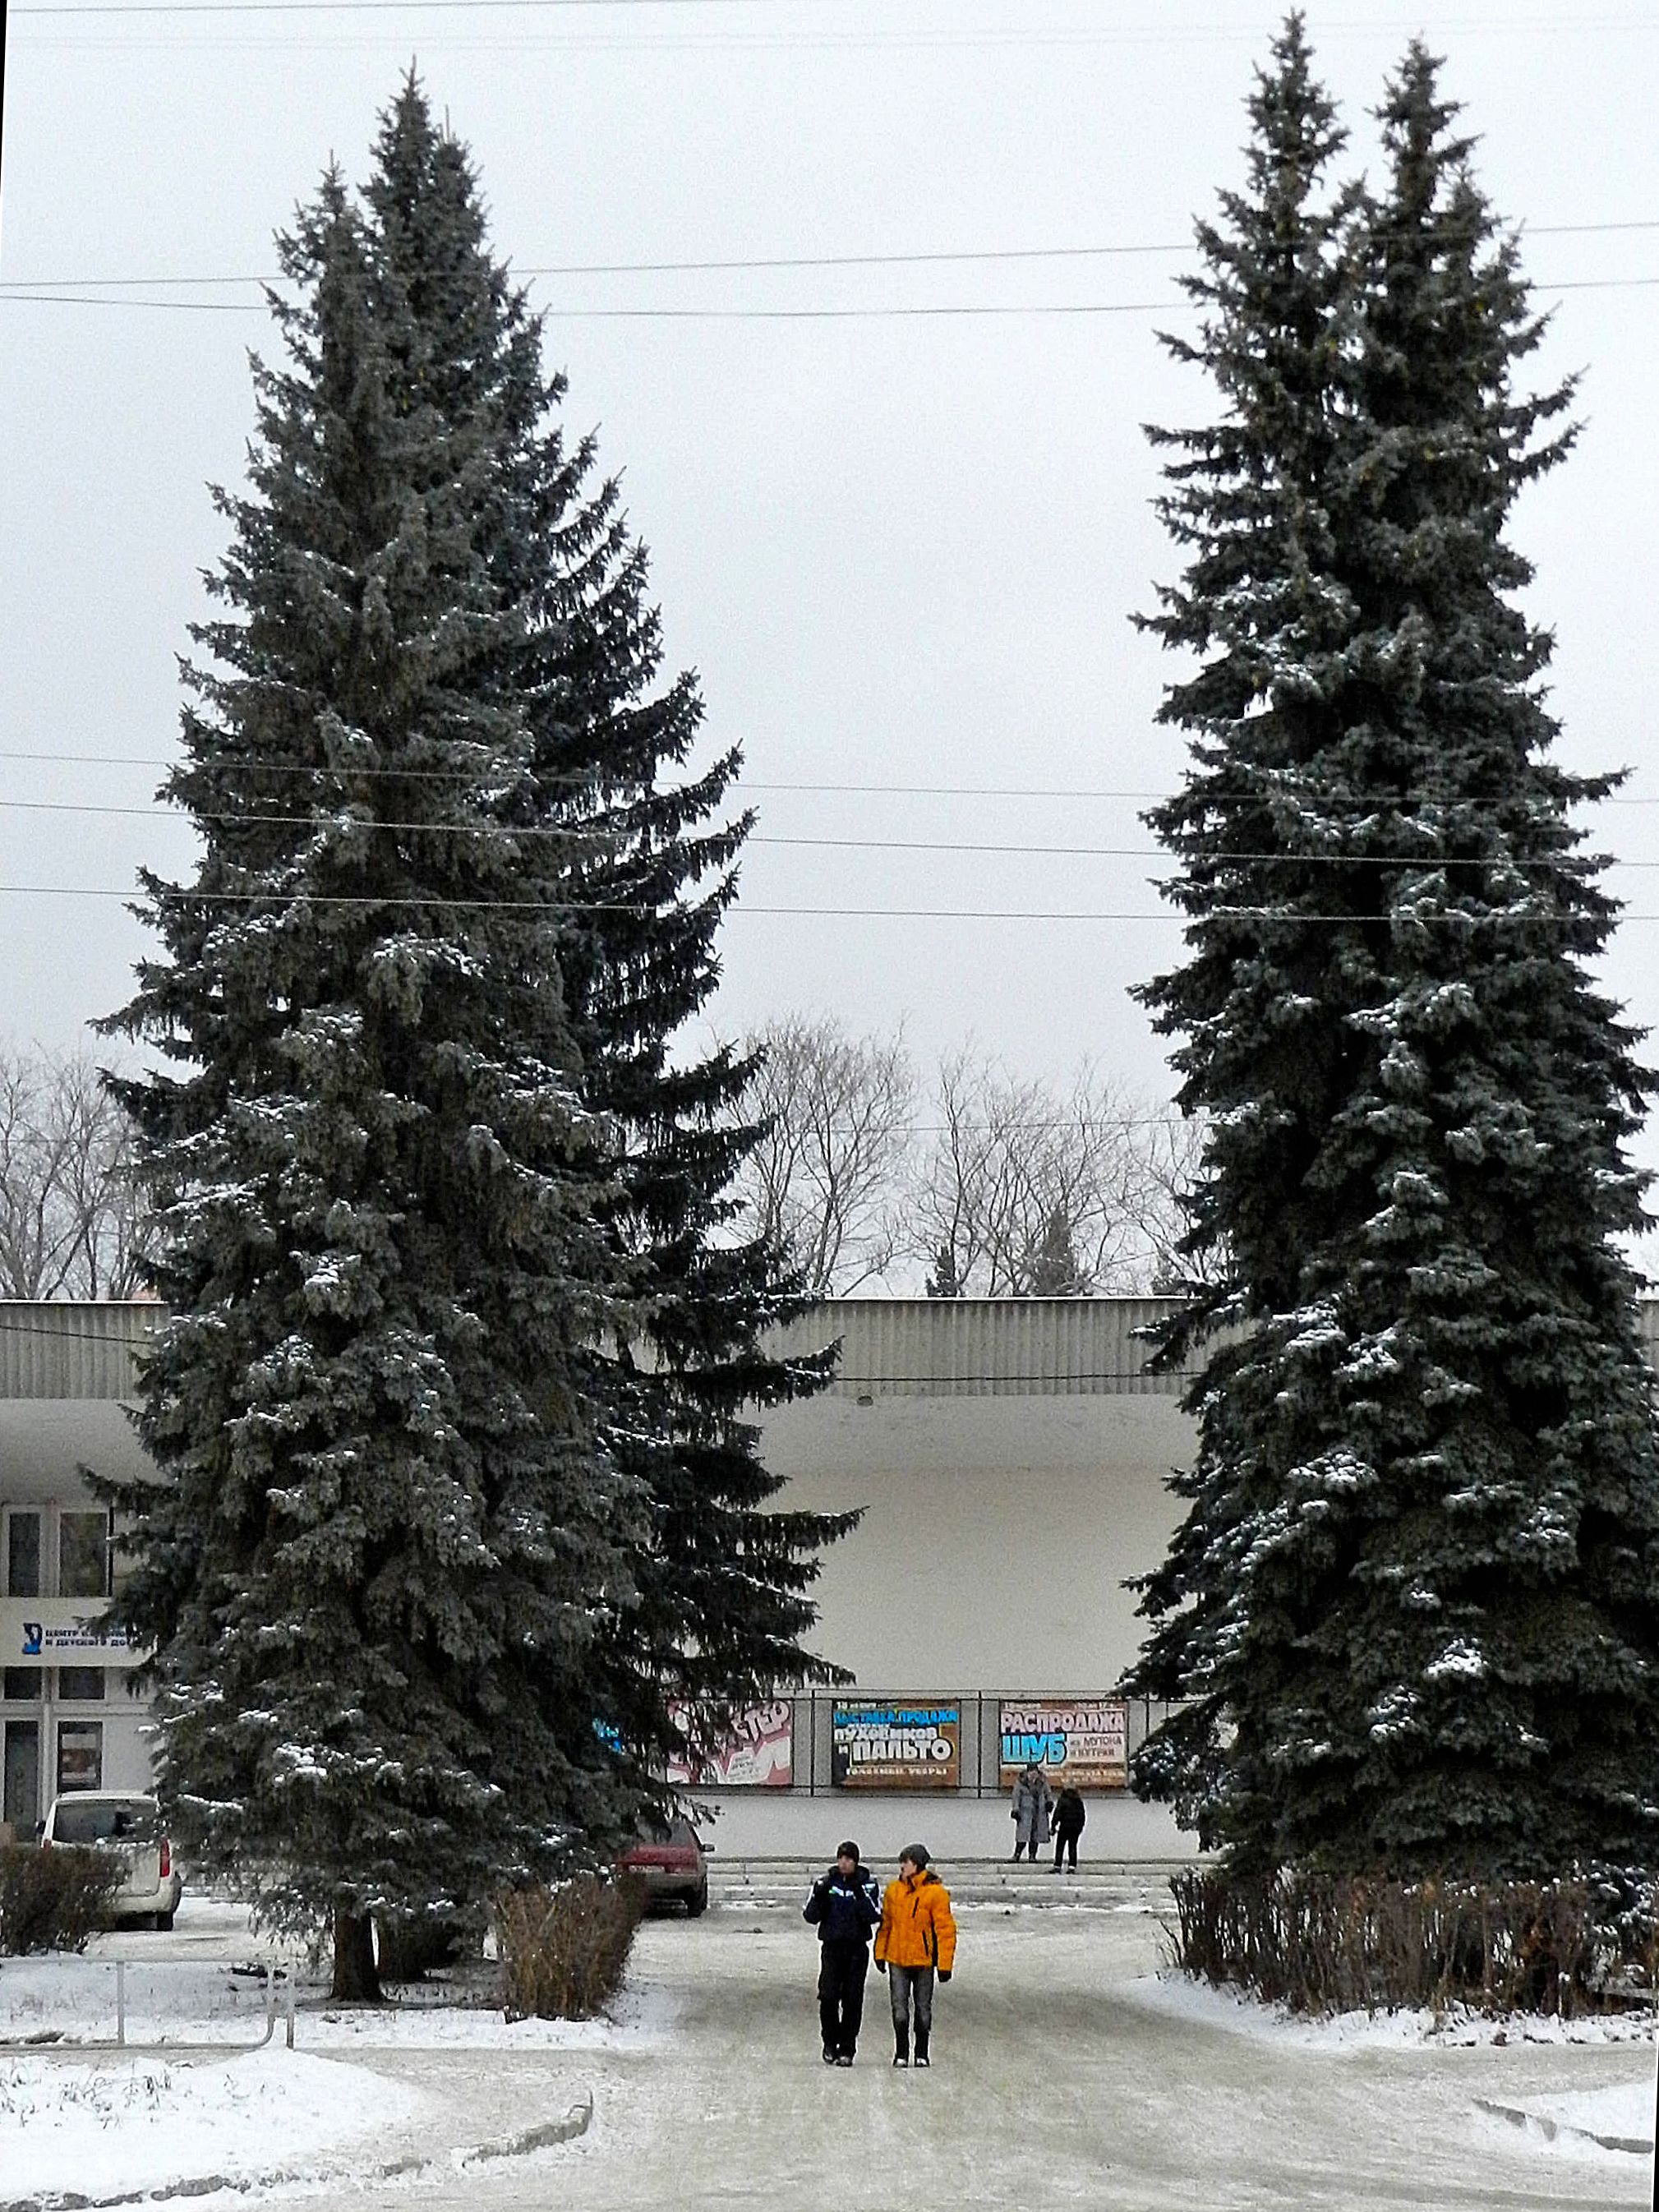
(351, 773)
(612, 837)
(954, 311)
(434, 902)
(981, 254)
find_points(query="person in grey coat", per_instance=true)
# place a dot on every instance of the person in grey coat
(1033, 1806)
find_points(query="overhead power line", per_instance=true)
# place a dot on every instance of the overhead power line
(933, 256)
(967, 311)
(1488, 917)
(583, 834)
(349, 772)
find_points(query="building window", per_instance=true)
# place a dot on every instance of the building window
(22, 1684)
(83, 1555)
(79, 1755)
(23, 1554)
(80, 1683)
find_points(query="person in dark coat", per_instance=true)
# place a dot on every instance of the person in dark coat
(844, 1905)
(1069, 1817)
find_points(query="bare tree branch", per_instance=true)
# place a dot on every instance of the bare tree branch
(1024, 1186)
(824, 1180)
(70, 1219)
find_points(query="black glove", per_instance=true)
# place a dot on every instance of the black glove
(944, 1973)
(881, 1966)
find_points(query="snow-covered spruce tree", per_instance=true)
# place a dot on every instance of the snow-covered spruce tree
(1413, 1601)
(647, 847)
(389, 1543)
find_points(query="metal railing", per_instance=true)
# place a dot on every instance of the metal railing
(48, 2041)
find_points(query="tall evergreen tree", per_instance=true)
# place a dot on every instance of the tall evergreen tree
(647, 847)
(1413, 1601)
(1054, 1270)
(391, 1543)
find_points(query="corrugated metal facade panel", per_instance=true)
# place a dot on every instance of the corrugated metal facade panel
(64, 1350)
(985, 1348)
(890, 1347)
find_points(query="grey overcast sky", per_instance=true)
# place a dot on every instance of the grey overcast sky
(902, 547)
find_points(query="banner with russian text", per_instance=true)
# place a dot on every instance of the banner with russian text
(759, 1754)
(896, 1746)
(1080, 1743)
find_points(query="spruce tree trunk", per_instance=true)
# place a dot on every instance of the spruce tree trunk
(357, 1978)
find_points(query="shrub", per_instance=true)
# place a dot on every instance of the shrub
(563, 1950)
(53, 1900)
(1325, 1944)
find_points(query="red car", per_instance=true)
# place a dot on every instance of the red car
(671, 1859)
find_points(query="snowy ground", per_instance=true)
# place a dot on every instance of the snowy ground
(1067, 2072)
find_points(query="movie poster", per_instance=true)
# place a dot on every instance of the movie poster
(1080, 1743)
(896, 1746)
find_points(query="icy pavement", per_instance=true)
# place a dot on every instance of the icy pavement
(1064, 2074)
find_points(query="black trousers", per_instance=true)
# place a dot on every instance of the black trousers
(1064, 1840)
(842, 1966)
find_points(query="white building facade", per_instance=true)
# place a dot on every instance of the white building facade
(1009, 1459)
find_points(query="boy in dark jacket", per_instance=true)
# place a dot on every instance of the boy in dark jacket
(844, 1905)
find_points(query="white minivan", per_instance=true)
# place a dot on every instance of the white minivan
(129, 1823)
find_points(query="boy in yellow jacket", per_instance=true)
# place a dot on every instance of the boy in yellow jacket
(917, 1936)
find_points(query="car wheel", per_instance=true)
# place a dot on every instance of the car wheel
(697, 1902)
(164, 1921)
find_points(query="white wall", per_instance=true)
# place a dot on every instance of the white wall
(996, 1537)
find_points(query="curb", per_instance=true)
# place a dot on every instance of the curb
(540, 2137)
(1551, 2130)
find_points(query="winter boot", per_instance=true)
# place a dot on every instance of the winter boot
(902, 2050)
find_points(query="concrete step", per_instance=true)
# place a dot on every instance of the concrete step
(1143, 1888)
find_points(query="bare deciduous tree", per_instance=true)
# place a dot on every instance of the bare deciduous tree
(69, 1223)
(824, 1181)
(1017, 1188)
(1168, 1152)
(1024, 1186)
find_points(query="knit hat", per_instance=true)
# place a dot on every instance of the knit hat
(847, 1851)
(916, 1853)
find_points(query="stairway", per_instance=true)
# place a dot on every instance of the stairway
(1139, 1886)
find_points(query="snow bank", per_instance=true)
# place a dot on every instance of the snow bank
(1179, 1996)
(74, 2001)
(137, 2123)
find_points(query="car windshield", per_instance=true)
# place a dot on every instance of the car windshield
(107, 1820)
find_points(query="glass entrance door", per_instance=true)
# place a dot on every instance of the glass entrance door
(20, 1803)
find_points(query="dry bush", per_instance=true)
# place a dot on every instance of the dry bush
(564, 1950)
(1325, 1944)
(53, 1900)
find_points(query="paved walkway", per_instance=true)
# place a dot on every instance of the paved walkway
(1050, 2086)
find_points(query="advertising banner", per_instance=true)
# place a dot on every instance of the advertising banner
(759, 1755)
(39, 1639)
(1079, 1743)
(896, 1746)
